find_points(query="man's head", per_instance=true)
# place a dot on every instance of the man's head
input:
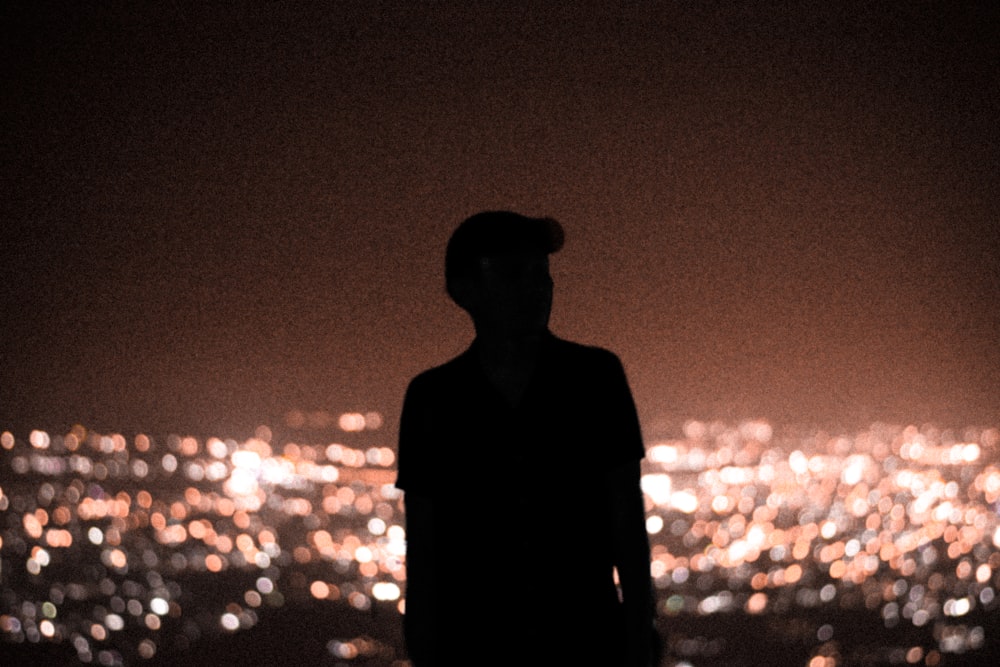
(496, 268)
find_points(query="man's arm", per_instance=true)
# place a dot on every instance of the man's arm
(415, 478)
(419, 621)
(631, 554)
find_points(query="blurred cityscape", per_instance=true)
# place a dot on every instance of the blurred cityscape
(880, 547)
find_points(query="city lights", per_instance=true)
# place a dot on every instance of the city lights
(128, 528)
(743, 519)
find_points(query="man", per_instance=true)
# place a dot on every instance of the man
(519, 460)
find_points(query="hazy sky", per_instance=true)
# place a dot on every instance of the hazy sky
(214, 215)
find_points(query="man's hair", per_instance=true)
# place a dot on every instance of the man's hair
(492, 233)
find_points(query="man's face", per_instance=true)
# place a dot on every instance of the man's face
(515, 293)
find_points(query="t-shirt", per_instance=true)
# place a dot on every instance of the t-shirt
(521, 507)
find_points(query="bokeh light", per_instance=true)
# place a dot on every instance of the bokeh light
(899, 522)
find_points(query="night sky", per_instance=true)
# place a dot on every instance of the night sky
(213, 215)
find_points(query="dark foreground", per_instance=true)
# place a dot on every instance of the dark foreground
(335, 635)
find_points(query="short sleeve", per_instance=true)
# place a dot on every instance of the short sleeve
(414, 441)
(623, 425)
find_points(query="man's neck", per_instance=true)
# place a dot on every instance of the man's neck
(502, 350)
(509, 362)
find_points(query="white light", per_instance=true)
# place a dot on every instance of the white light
(159, 606)
(852, 548)
(242, 482)
(280, 472)
(854, 470)
(39, 439)
(828, 530)
(385, 591)
(352, 422)
(665, 454)
(733, 475)
(140, 468)
(246, 459)
(684, 501)
(657, 487)
(959, 607)
(798, 462)
(217, 448)
(216, 470)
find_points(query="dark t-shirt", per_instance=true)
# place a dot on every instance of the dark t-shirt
(522, 511)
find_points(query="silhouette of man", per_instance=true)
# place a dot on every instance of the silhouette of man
(519, 460)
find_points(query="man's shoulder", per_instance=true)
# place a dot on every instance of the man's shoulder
(447, 372)
(580, 354)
